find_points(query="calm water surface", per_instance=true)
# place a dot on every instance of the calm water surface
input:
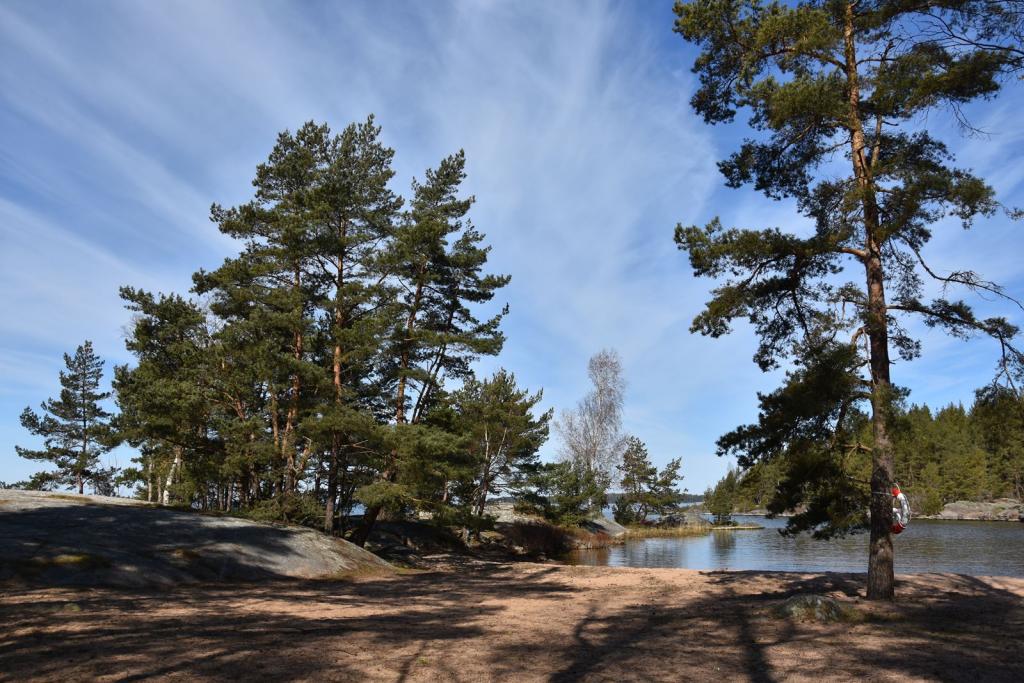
(978, 548)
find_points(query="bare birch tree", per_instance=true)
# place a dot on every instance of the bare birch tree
(591, 434)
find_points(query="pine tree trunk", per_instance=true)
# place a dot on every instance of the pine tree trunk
(362, 532)
(290, 483)
(881, 581)
(339, 323)
(403, 365)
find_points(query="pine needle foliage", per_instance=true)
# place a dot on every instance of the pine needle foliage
(834, 90)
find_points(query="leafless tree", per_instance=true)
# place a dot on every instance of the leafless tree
(591, 434)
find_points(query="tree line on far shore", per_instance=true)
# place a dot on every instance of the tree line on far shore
(328, 365)
(940, 456)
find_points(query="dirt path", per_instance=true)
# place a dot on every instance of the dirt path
(517, 623)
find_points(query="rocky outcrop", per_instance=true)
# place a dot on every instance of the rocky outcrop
(59, 539)
(603, 525)
(689, 517)
(504, 512)
(820, 608)
(1001, 509)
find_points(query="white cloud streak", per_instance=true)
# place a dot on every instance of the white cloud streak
(123, 122)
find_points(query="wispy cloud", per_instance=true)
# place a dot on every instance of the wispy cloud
(122, 122)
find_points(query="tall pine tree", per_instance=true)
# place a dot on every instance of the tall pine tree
(270, 291)
(438, 263)
(75, 428)
(830, 80)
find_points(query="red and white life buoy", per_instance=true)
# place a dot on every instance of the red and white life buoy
(900, 510)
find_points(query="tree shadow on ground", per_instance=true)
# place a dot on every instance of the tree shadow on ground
(516, 622)
(942, 627)
(360, 630)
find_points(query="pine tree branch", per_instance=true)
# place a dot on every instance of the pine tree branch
(968, 279)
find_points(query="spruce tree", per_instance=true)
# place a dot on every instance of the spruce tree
(76, 430)
(720, 501)
(843, 81)
(998, 420)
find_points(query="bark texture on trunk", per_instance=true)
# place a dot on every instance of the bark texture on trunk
(362, 532)
(340, 322)
(881, 580)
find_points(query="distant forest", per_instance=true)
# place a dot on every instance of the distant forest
(955, 453)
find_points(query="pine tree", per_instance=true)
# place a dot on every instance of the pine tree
(565, 493)
(842, 78)
(645, 490)
(166, 400)
(503, 435)
(438, 263)
(269, 294)
(75, 428)
(356, 227)
(311, 374)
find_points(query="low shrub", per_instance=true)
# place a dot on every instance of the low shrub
(538, 538)
(298, 508)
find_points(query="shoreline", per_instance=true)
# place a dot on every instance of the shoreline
(938, 518)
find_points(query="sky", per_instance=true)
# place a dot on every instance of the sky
(121, 122)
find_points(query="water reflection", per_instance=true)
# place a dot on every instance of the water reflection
(978, 548)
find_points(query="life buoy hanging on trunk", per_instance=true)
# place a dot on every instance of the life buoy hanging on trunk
(900, 510)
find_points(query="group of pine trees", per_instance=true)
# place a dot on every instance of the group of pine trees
(327, 364)
(951, 454)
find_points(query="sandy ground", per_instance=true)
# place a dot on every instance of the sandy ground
(517, 622)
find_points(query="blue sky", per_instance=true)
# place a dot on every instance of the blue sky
(121, 122)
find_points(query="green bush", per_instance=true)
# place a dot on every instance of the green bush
(296, 508)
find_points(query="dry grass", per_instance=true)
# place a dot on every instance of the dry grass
(640, 532)
(590, 540)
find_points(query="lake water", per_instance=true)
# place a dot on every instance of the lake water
(977, 548)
